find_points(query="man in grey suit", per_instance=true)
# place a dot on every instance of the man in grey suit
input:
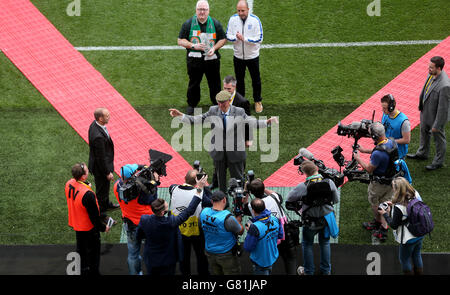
(433, 106)
(227, 147)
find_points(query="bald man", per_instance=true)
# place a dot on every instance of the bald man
(246, 33)
(101, 158)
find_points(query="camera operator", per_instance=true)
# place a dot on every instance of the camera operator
(131, 214)
(316, 219)
(272, 201)
(221, 229)
(84, 218)
(380, 167)
(191, 234)
(163, 245)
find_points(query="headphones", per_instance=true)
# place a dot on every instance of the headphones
(392, 103)
(372, 134)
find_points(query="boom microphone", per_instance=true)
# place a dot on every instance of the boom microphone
(307, 154)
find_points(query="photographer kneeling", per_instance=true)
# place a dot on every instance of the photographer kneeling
(382, 169)
(317, 196)
(272, 201)
(132, 212)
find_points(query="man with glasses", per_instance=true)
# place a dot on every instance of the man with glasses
(202, 36)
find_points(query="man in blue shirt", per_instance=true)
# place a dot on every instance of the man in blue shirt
(380, 167)
(396, 124)
(262, 236)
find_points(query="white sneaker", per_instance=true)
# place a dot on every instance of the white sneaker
(301, 271)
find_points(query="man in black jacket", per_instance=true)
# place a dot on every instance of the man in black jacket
(101, 158)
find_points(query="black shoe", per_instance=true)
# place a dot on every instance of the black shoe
(416, 157)
(189, 111)
(433, 166)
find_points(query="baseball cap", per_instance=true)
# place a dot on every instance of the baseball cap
(223, 96)
(217, 196)
(128, 170)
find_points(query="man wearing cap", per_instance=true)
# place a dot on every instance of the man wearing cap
(163, 243)
(221, 229)
(202, 36)
(131, 214)
(227, 147)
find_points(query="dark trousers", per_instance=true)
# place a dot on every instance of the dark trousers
(165, 270)
(236, 171)
(196, 68)
(198, 244)
(289, 258)
(88, 246)
(102, 186)
(240, 66)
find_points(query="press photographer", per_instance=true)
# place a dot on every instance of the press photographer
(191, 234)
(132, 210)
(221, 229)
(314, 200)
(382, 170)
(272, 202)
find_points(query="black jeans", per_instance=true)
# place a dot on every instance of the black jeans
(240, 66)
(198, 244)
(88, 246)
(196, 68)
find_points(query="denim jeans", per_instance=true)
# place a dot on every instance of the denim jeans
(258, 270)
(134, 248)
(408, 252)
(308, 254)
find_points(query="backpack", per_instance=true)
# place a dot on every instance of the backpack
(420, 221)
(318, 194)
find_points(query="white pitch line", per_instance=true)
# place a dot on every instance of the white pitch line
(266, 46)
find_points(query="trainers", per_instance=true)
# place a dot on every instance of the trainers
(381, 234)
(258, 107)
(371, 225)
(301, 271)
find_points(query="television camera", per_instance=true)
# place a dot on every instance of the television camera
(143, 180)
(237, 192)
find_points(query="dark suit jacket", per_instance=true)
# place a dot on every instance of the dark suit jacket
(434, 104)
(234, 130)
(241, 102)
(101, 151)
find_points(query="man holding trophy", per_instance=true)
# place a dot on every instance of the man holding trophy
(202, 36)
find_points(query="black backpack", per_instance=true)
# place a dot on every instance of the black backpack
(318, 194)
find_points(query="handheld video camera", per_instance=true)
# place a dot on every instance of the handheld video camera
(236, 191)
(144, 180)
(331, 173)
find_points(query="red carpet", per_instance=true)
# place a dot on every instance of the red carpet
(75, 88)
(406, 89)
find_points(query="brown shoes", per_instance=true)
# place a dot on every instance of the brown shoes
(258, 107)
